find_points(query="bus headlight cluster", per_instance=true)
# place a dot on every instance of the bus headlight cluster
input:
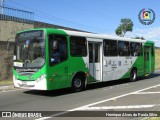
(41, 77)
(15, 78)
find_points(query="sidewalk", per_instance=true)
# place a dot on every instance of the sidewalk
(6, 88)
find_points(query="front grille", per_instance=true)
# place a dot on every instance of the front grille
(26, 73)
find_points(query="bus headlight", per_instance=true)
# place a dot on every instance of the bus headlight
(41, 77)
(15, 78)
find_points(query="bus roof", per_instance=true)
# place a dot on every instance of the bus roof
(92, 35)
(102, 36)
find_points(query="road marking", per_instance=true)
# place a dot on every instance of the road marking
(116, 97)
(147, 93)
(43, 118)
(117, 107)
(147, 88)
(95, 103)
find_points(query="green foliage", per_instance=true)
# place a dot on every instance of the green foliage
(119, 31)
(125, 26)
(140, 38)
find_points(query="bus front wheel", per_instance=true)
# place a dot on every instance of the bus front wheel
(77, 84)
(133, 75)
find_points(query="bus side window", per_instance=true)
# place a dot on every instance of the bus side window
(110, 48)
(136, 49)
(123, 48)
(78, 46)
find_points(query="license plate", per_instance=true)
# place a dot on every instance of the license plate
(18, 64)
(24, 83)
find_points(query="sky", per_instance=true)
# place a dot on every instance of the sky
(98, 16)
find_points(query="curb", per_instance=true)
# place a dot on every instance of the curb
(6, 87)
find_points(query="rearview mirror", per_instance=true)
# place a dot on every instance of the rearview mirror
(55, 44)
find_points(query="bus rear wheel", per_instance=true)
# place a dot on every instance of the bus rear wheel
(133, 75)
(77, 84)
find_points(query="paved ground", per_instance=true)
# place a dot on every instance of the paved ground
(143, 95)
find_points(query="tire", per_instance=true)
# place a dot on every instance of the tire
(78, 84)
(133, 75)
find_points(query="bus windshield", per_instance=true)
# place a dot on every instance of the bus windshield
(29, 51)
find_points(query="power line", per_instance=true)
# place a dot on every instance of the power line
(41, 14)
(53, 18)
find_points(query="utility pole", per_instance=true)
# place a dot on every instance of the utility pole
(2, 3)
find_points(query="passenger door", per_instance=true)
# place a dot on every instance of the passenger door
(147, 59)
(95, 58)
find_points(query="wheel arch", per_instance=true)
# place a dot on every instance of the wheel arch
(135, 69)
(133, 74)
(80, 74)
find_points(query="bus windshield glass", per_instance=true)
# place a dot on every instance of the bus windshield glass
(29, 51)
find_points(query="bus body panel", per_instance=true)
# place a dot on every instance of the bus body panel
(138, 65)
(116, 67)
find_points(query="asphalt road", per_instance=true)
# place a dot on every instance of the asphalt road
(142, 95)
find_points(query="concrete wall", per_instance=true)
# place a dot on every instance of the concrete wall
(9, 28)
(6, 60)
(46, 25)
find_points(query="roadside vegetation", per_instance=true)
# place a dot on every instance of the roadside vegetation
(153, 118)
(157, 60)
(6, 82)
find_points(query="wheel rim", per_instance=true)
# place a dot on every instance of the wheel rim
(133, 75)
(77, 83)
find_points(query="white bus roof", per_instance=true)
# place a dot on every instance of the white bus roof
(101, 36)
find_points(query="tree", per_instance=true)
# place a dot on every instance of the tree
(140, 38)
(125, 26)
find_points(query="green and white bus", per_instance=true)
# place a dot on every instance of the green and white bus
(49, 59)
